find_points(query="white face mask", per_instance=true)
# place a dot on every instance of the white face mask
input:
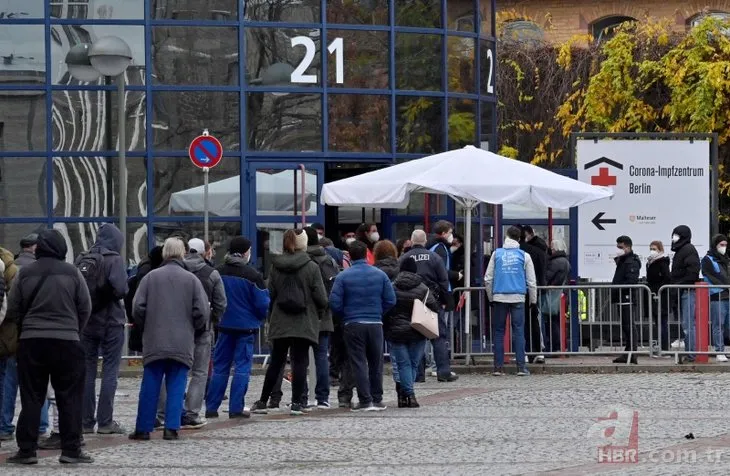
(374, 236)
(247, 257)
(675, 238)
(349, 241)
(450, 238)
(722, 249)
(454, 248)
(320, 237)
(620, 251)
(653, 252)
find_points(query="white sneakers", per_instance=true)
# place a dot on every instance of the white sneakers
(721, 358)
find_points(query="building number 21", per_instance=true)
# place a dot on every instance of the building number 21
(337, 47)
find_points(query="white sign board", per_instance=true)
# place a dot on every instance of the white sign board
(658, 185)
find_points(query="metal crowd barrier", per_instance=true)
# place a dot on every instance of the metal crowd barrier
(693, 322)
(580, 319)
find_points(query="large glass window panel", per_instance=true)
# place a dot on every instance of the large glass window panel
(359, 123)
(89, 9)
(12, 233)
(365, 59)
(418, 13)
(461, 64)
(279, 192)
(81, 236)
(487, 121)
(418, 61)
(89, 121)
(487, 12)
(403, 230)
(283, 57)
(22, 120)
(21, 9)
(416, 205)
(178, 187)
(285, 122)
(461, 16)
(292, 11)
(22, 187)
(366, 12)
(219, 234)
(195, 55)
(487, 78)
(89, 186)
(180, 116)
(23, 52)
(517, 212)
(64, 37)
(462, 123)
(221, 10)
(420, 126)
(487, 210)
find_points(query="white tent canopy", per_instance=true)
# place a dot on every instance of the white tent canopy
(470, 176)
(274, 195)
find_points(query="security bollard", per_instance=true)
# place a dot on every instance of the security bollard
(702, 327)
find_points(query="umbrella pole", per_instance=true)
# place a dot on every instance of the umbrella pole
(467, 278)
(550, 227)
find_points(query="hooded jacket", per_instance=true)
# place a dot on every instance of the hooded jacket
(109, 242)
(492, 275)
(715, 269)
(558, 269)
(362, 293)
(152, 261)
(397, 323)
(537, 249)
(61, 309)
(318, 255)
(199, 267)
(686, 261)
(247, 299)
(389, 266)
(306, 324)
(170, 308)
(658, 273)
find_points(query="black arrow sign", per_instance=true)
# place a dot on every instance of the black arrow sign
(599, 221)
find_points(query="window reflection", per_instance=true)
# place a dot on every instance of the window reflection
(293, 11)
(23, 54)
(282, 121)
(22, 120)
(461, 59)
(273, 46)
(195, 55)
(21, 9)
(82, 9)
(420, 124)
(220, 10)
(365, 59)
(419, 13)
(219, 234)
(179, 187)
(81, 236)
(87, 120)
(418, 61)
(12, 233)
(180, 116)
(462, 123)
(367, 12)
(88, 186)
(279, 192)
(22, 187)
(359, 123)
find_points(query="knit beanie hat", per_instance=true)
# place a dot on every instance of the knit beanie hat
(302, 241)
(239, 246)
(409, 265)
(312, 236)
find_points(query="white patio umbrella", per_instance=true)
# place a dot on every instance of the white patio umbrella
(470, 176)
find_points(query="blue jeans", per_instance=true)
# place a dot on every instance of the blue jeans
(687, 302)
(176, 377)
(8, 396)
(441, 345)
(394, 364)
(516, 312)
(231, 349)
(407, 357)
(719, 313)
(111, 346)
(321, 362)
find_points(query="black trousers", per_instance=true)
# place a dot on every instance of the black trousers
(365, 349)
(63, 362)
(338, 351)
(628, 326)
(299, 349)
(533, 332)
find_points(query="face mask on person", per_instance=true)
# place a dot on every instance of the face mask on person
(453, 249)
(675, 238)
(450, 238)
(349, 241)
(653, 252)
(722, 249)
(374, 236)
(320, 236)
(620, 251)
(247, 257)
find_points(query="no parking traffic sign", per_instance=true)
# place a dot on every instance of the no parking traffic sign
(205, 151)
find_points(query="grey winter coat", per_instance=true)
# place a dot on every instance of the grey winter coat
(305, 325)
(170, 307)
(25, 257)
(558, 269)
(195, 264)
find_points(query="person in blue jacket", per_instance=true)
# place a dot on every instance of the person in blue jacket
(715, 272)
(248, 305)
(362, 295)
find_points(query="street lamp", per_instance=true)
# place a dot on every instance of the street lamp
(108, 56)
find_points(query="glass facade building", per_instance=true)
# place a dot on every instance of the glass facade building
(334, 87)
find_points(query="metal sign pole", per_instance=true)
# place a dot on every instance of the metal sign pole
(206, 173)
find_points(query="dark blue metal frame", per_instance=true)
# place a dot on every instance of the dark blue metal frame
(244, 155)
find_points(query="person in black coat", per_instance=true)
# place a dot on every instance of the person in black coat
(536, 247)
(685, 271)
(152, 261)
(407, 345)
(658, 275)
(715, 272)
(628, 266)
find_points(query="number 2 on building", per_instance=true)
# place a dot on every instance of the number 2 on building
(337, 46)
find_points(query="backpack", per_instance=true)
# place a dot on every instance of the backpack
(203, 274)
(328, 269)
(291, 299)
(91, 267)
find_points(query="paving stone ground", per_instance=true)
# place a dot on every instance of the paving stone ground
(543, 424)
